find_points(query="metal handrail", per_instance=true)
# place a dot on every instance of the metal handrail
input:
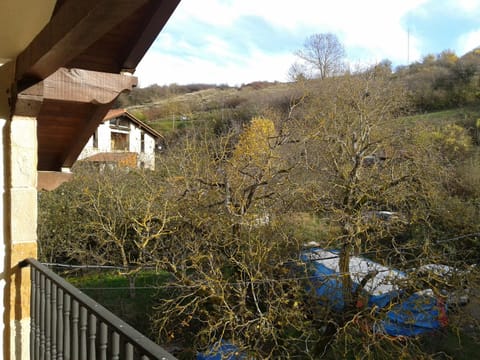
(67, 324)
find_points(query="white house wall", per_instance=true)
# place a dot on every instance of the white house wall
(147, 158)
(104, 137)
(134, 141)
(104, 143)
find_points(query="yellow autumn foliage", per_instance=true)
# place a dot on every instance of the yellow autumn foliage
(453, 139)
(254, 145)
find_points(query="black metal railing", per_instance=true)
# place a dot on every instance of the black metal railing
(67, 324)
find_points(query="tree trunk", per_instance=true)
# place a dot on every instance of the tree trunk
(344, 268)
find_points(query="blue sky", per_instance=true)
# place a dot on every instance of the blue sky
(239, 41)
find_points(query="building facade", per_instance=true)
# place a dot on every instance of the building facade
(121, 132)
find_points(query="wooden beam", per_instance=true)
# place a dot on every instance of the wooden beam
(28, 105)
(161, 12)
(74, 27)
(77, 85)
(77, 146)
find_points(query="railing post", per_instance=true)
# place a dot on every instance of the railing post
(92, 336)
(66, 326)
(115, 346)
(54, 321)
(75, 337)
(103, 341)
(48, 318)
(128, 351)
(33, 312)
(42, 318)
(37, 315)
(60, 327)
(83, 333)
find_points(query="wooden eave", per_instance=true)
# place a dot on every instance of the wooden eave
(124, 46)
(100, 37)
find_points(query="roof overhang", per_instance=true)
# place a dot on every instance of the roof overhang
(123, 112)
(97, 37)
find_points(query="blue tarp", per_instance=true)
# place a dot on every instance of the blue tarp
(417, 314)
(222, 351)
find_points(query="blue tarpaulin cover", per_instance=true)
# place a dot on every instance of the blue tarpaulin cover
(222, 351)
(417, 314)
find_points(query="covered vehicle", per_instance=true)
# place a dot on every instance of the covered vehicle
(407, 315)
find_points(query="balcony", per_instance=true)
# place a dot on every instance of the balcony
(67, 324)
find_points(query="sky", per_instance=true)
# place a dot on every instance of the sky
(236, 42)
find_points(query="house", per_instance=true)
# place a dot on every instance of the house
(124, 140)
(63, 63)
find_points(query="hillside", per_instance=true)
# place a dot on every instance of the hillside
(222, 106)
(436, 83)
(230, 107)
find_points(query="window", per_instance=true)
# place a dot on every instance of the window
(119, 141)
(120, 124)
(120, 129)
(142, 141)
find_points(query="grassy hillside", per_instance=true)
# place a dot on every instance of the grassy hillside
(172, 110)
(216, 105)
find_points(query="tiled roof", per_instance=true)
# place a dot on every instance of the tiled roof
(113, 113)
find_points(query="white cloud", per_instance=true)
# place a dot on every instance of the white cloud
(468, 7)
(216, 47)
(469, 41)
(371, 30)
(166, 69)
(341, 14)
(376, 27)
(166, 43)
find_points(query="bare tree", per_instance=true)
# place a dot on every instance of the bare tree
(323, 53)
(114, 217)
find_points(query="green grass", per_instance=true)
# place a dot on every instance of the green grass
(111, 290)
(168, 126)
(307, 227)
(461, 116)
